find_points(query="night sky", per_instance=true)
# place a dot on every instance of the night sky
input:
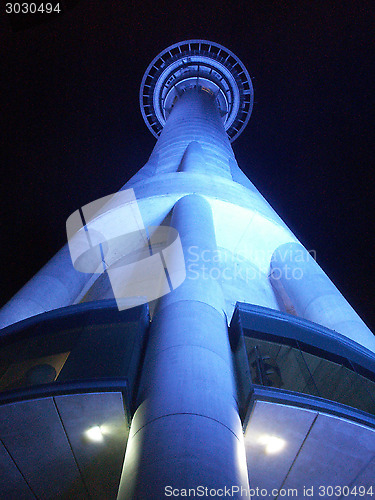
(72, 131)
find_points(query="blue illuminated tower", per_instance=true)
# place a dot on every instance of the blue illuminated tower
(255, 372)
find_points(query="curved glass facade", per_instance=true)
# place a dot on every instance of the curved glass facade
(282, 352)
(71, 349)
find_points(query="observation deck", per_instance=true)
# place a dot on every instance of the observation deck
(191, 64)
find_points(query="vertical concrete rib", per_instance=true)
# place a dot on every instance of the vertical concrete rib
(56, 285)
(314, 296)
(186, 431)
(194, 117)
(193, 159)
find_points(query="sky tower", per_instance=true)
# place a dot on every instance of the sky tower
(247, 369)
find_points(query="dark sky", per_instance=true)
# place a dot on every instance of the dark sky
(72, 130)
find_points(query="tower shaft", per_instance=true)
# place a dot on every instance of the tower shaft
(187, 396)
(194, 117)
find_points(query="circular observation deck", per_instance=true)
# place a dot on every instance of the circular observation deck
(192, 64)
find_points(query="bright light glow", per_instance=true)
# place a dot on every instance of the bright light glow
(272, 444)
(95, 434)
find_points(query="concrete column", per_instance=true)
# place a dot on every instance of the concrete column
(57, 284)
(186, 431)
(313, 296)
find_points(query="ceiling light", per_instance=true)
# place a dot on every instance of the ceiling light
(272, 444)
(95, 434)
